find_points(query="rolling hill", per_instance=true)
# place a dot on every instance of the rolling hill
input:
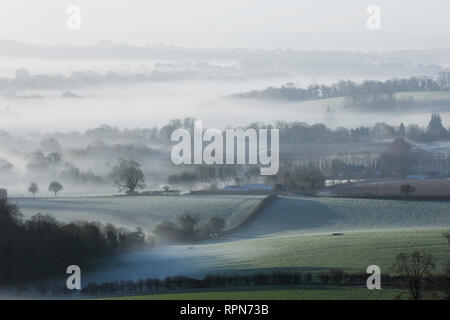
(323, 215)
(144, 212)
(289, 233)
(283, 215)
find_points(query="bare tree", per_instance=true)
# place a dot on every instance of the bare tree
(33, 188)
(128, 176)
(414, 268)
(55, 187)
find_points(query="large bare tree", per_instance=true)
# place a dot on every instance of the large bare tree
(128, 176)
(414, 268)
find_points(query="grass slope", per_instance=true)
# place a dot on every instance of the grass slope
(314, 215)
(145, 212)
(279, 216)
(353, 251)
(290, 233)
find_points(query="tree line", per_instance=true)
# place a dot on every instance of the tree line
(42, 246)
(348, 88)
(333, 277)
(187, 228)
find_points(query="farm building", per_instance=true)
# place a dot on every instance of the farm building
(417, 160)
(434, 162)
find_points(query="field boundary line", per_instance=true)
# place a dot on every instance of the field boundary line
(248, 218)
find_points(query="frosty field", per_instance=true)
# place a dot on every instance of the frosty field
(290, 233)
(284, 215)
(144, 212)
(293, 215)
(352, 252)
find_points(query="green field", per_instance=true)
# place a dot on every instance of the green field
(290, 233)
(352, 252)
(275, 294)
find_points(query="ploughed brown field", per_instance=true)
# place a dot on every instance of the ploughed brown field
(423, 187)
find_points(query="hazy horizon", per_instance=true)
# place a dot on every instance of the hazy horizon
(215, 23)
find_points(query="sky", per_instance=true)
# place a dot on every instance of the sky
(229, 22)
